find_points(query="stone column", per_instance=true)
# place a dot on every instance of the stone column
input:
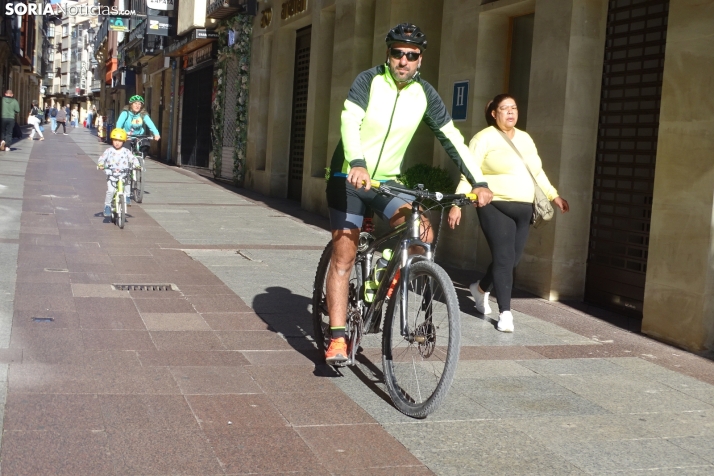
(566, 72)
(679, 291)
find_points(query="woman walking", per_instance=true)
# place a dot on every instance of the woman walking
(61, 119)
(510, 163)
(35, 119)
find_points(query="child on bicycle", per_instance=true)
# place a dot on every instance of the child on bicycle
(113, 161)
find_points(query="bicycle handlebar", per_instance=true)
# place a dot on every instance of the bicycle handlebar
(424, 194)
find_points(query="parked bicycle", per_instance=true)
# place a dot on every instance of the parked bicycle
(138, 143)
(421, 333)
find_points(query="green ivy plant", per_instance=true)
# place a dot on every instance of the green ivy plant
(242, 26)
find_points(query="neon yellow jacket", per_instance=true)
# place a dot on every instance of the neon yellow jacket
(379, 121)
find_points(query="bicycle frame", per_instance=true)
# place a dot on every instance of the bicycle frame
(410, 233)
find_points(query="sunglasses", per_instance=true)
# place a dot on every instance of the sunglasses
(399, 54)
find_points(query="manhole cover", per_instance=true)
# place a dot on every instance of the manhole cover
(43, 319)
(144, 287)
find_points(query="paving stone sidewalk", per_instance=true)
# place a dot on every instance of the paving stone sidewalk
(220, 376)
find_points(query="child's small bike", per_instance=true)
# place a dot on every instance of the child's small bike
(119, 199)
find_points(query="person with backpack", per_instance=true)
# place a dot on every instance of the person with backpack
(53, 118)
(35, 120)
(10, 107)
(134, 118)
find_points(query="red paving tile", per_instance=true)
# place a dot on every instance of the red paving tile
(65, 453)
(221, 411)
(355, 449)
(262, 450)
(160, 452)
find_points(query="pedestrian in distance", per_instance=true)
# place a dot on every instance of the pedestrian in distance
(53, 117)
(90, 117)
(74, 116)
(113, 161)
(35, 118)
(510, 163)
(100, 127)
(47, 113)
(10, 108)
(61, 119)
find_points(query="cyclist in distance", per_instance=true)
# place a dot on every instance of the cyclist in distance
(384, 107)
(133, 119)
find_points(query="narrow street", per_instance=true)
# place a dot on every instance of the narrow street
(219, 376)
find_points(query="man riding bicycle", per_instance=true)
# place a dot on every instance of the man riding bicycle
(382, 112)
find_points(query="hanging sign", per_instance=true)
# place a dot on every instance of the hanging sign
(118, 24)
(158, 26)
(160, 4)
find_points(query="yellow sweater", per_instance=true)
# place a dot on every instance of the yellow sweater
(506, 174)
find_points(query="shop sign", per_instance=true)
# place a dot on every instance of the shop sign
(160, 4)
(158, 25)
(175, 48)
(460, 101)
(118, 24)
(292, 7)
(198, 57)
(266, 17)
(138, 31)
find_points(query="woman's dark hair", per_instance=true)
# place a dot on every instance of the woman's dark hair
(493, 105)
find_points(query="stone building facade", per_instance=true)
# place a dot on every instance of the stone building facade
(615, 94)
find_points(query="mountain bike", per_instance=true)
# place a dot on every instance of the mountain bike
(422, 332)
(138, 143)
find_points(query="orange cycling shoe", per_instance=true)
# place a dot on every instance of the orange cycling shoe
(337, 352)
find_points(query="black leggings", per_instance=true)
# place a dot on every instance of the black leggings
(506, 226)
(64, 126)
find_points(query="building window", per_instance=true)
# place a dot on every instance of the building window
(51, 31)
(65, 30)
(51, 55)
(519, 73)
(65, 56)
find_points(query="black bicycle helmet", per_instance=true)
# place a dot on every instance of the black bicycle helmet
(407, 33)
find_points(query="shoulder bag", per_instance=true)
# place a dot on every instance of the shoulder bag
(542, 209)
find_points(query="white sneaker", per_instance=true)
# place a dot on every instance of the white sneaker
(505, 322)
(480, 299)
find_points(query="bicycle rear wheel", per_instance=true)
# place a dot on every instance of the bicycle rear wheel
(419, 368)
(138, 188)
(320, 315)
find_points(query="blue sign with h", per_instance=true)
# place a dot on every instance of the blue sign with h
(460, 101)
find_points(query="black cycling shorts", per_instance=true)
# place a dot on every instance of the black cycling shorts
(347, 204)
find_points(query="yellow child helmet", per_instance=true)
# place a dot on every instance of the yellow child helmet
(118, 134)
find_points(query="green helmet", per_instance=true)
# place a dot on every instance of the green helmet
(136, 98)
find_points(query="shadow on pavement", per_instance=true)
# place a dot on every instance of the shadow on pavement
(290, 315)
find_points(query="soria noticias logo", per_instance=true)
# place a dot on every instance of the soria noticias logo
(70, 10)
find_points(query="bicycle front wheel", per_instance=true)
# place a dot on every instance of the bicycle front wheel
(120, 211)
(419, 367)
(138, 190)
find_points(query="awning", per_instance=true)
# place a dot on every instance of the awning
(191, 42)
